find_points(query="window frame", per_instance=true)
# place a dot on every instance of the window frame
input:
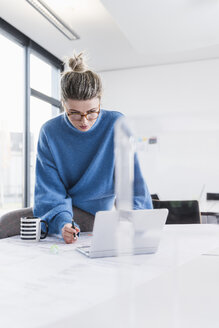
(30, 47)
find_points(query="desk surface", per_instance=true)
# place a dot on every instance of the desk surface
(209, 206)
(39, 288)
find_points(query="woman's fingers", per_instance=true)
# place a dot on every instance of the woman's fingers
(68, 233)
(68, 229)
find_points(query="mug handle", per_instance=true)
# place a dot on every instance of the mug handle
(47, 229)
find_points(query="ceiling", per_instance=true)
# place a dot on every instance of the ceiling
(119, 34)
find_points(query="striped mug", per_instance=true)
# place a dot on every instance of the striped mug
(30, 229)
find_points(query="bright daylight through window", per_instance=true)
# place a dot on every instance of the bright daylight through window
(11, 123)
(44, 81)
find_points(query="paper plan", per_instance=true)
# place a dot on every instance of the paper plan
(52, 285)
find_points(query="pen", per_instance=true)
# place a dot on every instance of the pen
(73, 226)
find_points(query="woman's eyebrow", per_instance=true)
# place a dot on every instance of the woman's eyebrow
(77, 111)
(73, 110)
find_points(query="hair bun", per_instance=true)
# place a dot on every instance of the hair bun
(77, 64)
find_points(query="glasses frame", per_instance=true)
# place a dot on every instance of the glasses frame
(84, 115)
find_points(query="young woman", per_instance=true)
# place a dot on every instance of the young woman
(75, 156)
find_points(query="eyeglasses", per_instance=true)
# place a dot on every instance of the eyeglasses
(90, 116)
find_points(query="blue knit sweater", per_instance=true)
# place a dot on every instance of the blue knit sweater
(75, 168)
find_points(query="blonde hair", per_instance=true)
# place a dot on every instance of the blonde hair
(80, 83)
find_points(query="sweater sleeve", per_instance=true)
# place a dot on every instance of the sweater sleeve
(142, 197)
(51, 201)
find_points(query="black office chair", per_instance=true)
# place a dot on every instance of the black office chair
(212, 196)
(180, 211)
(210, 216)
(155, 197)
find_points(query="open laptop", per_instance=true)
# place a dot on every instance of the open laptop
(145, 224)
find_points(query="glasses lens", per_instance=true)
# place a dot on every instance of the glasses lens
(89, 116)
(75, 117)
(92, 116)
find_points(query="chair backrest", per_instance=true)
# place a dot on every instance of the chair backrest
(212, 196)
(180, 211)
(155, 197)
(10, 221)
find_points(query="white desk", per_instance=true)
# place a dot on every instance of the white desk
(42, 289)
(209, 206)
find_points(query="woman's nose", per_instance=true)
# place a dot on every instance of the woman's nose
(83, 118)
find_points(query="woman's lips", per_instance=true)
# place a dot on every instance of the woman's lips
(83, 127)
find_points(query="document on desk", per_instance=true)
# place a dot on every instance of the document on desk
(55, 242)
(55, 280)
(31, 273)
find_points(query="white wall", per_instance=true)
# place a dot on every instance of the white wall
(180, 105)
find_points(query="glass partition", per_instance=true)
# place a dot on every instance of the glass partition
(178, 157)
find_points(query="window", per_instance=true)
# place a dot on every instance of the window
(40, 75)
(11, 124)
(40, 112)
(44, 82)
(29, 81)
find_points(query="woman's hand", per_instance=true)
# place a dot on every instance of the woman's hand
(68, 233)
